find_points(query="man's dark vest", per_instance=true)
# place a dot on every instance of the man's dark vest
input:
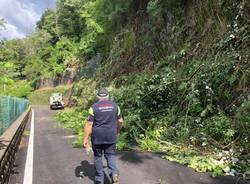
(104, 116)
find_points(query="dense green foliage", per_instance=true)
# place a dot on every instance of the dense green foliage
(178, 69)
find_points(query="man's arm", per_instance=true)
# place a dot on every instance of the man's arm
(119, 123)
(88, 128)
(87, 132)
(119, 120)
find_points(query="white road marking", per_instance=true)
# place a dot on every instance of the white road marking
(28, 174)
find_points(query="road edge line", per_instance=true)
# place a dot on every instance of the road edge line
(28, 173)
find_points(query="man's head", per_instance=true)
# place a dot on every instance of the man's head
(102, 94)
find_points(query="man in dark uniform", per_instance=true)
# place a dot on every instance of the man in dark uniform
(103, 123)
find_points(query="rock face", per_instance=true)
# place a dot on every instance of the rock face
(65, 79)
(74, 72)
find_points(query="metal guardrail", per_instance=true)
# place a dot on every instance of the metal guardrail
(9, 143)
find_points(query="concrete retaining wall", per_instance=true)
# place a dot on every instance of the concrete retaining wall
(9, 143)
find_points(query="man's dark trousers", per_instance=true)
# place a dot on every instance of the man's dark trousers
(109, 151)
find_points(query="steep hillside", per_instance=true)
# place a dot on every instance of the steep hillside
(180, 71)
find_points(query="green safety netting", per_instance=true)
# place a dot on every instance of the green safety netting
(10, 109)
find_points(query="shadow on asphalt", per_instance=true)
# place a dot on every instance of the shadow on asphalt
(87, 169)
(227, 180)
(134, 157)
(173, 168)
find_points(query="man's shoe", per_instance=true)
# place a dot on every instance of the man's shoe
(115, 179)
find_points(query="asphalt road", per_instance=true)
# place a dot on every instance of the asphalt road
(57, 162)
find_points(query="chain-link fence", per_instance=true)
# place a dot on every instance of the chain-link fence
(10, 109)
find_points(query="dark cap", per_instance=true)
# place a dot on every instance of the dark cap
(102, 92)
